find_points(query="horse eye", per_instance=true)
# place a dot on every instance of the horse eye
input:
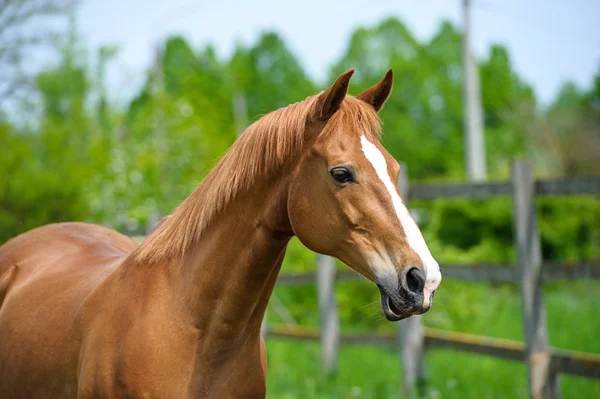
(342, 175)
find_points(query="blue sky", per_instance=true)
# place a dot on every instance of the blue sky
(549, 41)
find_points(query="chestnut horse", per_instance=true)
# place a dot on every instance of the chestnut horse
(87, 313)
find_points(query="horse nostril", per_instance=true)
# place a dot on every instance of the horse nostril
(415, 280)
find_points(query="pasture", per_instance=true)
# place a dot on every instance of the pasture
(375, 372)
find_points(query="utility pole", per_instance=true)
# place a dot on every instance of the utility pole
(240, 112)
(157, 90)
(473, 122)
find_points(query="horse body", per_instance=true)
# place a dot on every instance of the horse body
(57, 267)
(87, 313)
(115, 329)
(110, 328)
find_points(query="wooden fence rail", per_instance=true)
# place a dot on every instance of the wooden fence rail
(544, 363)
(494, 273)
(548, 187)
(567, 362)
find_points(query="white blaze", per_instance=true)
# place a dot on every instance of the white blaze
(413, 233)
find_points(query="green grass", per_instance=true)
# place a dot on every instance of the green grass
(375, 372)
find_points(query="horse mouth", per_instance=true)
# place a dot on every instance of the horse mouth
(392, 311)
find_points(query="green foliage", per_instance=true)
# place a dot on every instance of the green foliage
(173, 133)
(469, 231)
(425, 108)
(570, 228)
(26, 182)
(373, 372)
(568, 134)
(53, 164)
(133, 165)
(461, 231)
(269, 75)
(508, 105)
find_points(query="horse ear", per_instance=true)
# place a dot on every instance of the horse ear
(378, 94)
(330, 100)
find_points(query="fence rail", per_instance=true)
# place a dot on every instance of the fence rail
(546, 187)
(544, 363)
(495, 273)
(568, 362)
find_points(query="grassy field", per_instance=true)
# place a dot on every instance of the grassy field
(374, 372)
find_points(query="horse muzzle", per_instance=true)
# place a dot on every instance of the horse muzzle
(399, 301)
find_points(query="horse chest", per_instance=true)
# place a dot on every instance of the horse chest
(240, 381)
(166, 364)
(162, 381)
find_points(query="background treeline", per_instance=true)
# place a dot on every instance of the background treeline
(79, 154)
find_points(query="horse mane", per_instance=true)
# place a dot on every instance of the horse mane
(264, 147)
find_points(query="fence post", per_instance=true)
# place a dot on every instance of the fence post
(543, 381)
(412, 353)
(328, 311)
(411, 334)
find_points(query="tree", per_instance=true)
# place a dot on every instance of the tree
(45, 171)
(412, 132)
(567, 137)
(18, 41)
(174, 131)
(509, 105)
(268, 75)
(182, 121)
(423, 120)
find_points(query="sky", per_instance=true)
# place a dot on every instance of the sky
(549, 41)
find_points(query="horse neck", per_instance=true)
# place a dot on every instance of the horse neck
(228, 275)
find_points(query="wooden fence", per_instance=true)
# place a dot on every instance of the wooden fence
(544, 364)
